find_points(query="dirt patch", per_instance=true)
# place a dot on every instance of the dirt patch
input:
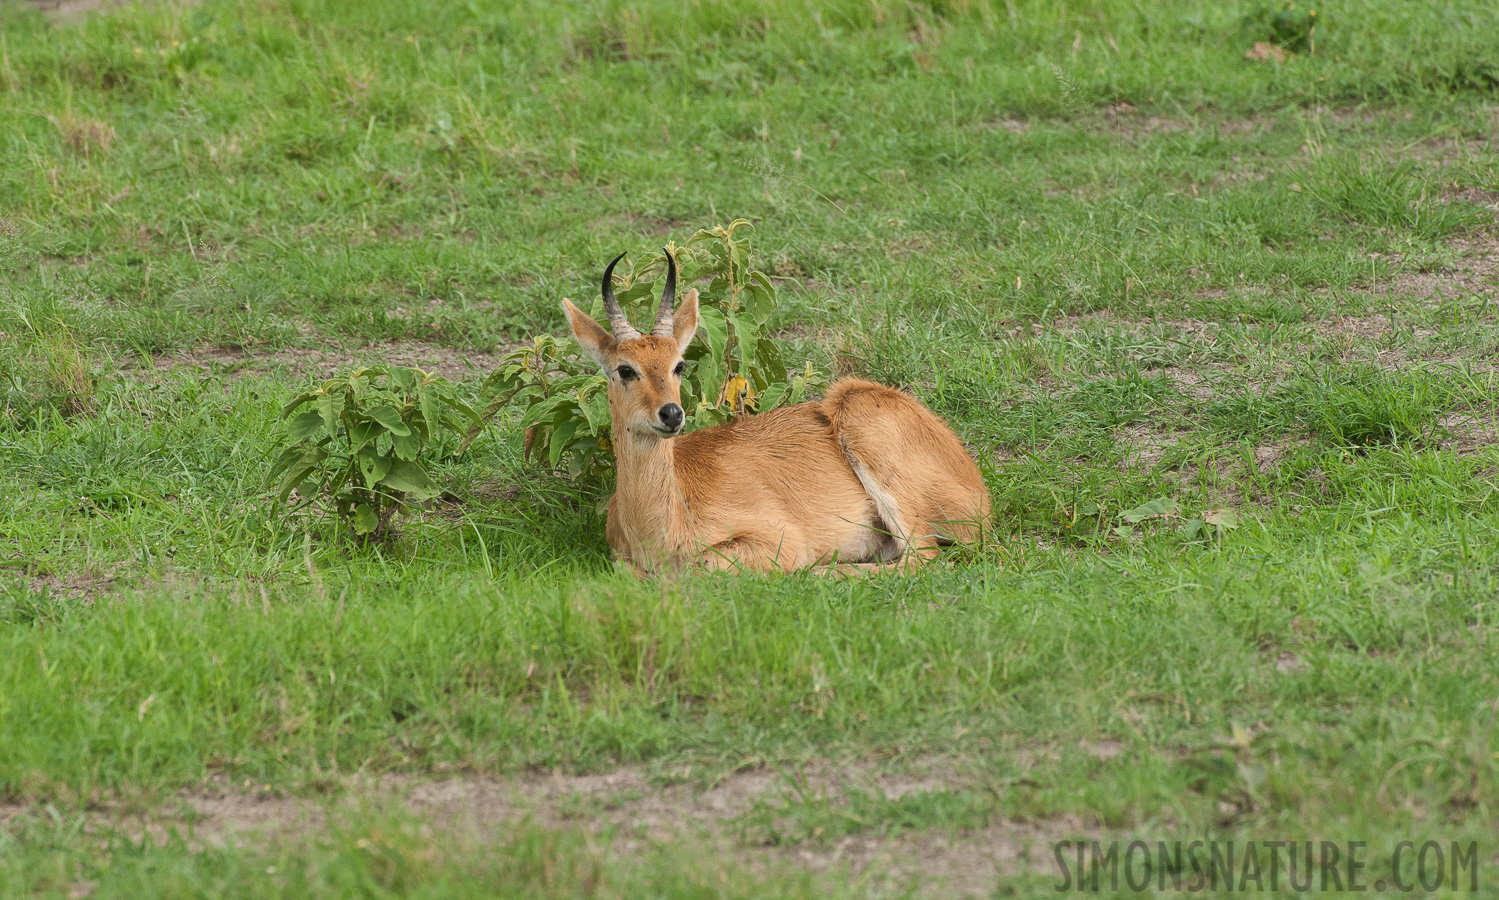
(1192, 383)
(639, 223)
(85, 586)
(1145, 446)
(637, 810)
(1469, 433)
(1477, 271)
(1125, 119)
(448, 362)
(1478, 197)
(1447, 149)
(1288, 663)
(1355, 328)
(1378, 326)
(1268, 456)
(1013, 126)
(65, 10)
(965, 864)
(661, 806)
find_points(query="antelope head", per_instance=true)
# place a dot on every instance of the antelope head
(644, 370)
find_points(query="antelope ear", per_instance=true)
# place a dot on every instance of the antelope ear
(684, 321)
(599, 343)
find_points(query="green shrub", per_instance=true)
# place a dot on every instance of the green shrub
(1283, 25)
(364, 445)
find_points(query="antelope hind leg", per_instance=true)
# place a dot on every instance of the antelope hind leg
(913, 467)
(740, 554)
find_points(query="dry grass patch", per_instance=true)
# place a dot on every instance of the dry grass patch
(83, 136)
(448, 362)
(635, 811)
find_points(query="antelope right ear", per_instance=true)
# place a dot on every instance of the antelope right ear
(599, 343)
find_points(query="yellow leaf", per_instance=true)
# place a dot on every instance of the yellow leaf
(733, 393)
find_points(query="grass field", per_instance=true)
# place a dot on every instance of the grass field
(1124, 261)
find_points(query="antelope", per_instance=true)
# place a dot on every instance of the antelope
(863, 479)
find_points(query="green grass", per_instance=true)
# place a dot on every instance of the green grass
(373, 852)
(1123, 261)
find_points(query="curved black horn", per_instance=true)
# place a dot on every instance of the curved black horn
(668, 298)
(618, 324)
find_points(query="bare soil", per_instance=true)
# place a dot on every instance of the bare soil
(639, 811)
(449, 362)
(71, 9)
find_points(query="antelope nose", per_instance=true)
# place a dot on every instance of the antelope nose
(671, 416)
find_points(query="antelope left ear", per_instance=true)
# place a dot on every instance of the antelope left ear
(684, 321)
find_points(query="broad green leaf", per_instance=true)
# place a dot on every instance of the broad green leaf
(768, 356)
(746, 336)
(759, 299)
(771, 397)
(1225, 519)
(800, 383)
(308, 487)
(576, 383)
(540, 412)
(706, 416)
(431, 410)
(761, 280)
(713, 329)
(331, 406)
(298, 471)
(596, 411)
(288, 456)
(304, 425)
(637, 290)
(362, 433)
(798, 388)
(365, 520)
(1190, 529)
(710, 384)
(391, 419)
(560, 438)
(406, 446)
(418, 425)
(402, 377)
(373, 466)
(1160, 507)
(297, 401)
(463, 408)
(409, 478)
(566, 411)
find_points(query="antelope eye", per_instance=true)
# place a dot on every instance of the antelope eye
(681, 367)
(627, 373)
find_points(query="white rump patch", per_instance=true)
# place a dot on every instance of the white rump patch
(884, 505)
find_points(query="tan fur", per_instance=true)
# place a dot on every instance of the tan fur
(866, 476)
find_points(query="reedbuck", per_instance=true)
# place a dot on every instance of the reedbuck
(864, 478)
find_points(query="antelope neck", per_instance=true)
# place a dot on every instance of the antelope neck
(649, 496)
